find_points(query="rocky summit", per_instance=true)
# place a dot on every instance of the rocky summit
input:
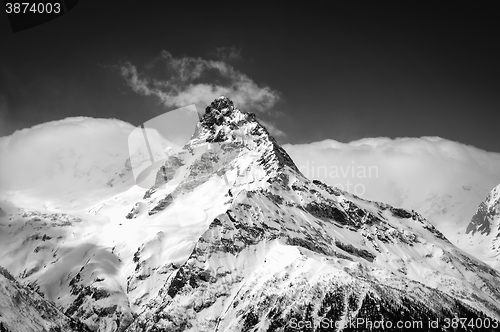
(233, 237)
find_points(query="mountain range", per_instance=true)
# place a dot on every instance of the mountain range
(231, 237)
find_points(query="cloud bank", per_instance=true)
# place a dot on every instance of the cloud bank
(199, 81)
(61, 152)
(442, 179)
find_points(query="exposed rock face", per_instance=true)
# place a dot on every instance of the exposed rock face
(481, 221)
(233, 237)
(484, 221)
(167, 171)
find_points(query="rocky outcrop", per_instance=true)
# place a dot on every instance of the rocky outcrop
(167, 171)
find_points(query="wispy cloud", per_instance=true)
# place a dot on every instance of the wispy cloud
(199, 81)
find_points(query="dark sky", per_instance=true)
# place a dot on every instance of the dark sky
(343, 69)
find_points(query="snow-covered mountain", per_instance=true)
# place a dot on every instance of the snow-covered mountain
(483, 232)
(233, 237)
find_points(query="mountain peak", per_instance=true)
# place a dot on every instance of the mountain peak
(227, 139)
(222, 117)
(220, 104)
(224, 123)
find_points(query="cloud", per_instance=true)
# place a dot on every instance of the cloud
(199, 81)
(441, 179)
(65, 152)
